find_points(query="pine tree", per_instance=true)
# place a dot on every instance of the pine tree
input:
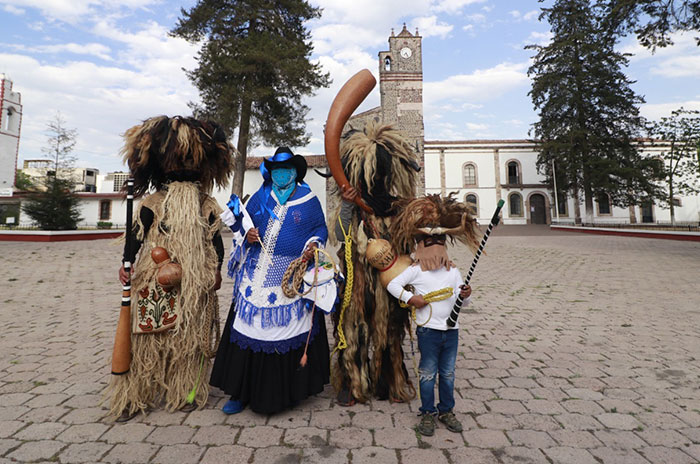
(652, 21)
(588, 114)
(56, 207)
(253, 69)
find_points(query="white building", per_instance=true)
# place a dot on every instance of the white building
(85, 179)
(482, 172)
(107, 204)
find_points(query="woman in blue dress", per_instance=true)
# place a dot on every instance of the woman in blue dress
(258, 360)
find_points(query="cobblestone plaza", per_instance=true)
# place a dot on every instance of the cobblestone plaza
(577, 349)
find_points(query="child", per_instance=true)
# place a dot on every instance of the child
(437, 342)
(431, 285)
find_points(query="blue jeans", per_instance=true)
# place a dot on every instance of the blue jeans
(438, 355)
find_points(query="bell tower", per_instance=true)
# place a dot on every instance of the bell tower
(401, 90)
(10, 123)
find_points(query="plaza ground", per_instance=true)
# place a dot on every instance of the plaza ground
(577, 349)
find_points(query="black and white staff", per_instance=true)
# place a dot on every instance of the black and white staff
(452, 321)
(121, 354)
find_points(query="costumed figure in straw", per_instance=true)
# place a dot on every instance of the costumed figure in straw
(429, 287)
(376, 167)
(174, 311)
(274, 348)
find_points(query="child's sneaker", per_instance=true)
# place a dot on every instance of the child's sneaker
(449, 419)
(426, 427)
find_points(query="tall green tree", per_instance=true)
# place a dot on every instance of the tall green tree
(254, 67)
(681, 133)
(652, 21)
(55, 207)
(588, 114)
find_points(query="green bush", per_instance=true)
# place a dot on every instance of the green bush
(104, 225)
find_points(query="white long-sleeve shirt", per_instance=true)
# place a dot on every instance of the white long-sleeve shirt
(425, 282)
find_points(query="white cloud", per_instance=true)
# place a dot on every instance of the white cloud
(476, 127)
(514, 13)
(468, 27)
(535, 38)
(679, 66)
(92, 49)
(530, 15)
(479, 86)
(476, 18)
(71, 11)
(454, 6)
(656, 111)
(430, 27)
(14, 10)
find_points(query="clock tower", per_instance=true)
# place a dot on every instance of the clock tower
(401, 90)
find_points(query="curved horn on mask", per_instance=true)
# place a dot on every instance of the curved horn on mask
(348, 99)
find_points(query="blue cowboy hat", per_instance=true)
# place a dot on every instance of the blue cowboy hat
(285, 157)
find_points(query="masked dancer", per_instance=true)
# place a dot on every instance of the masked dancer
(381, 168)
(268, 332)
(174, 314)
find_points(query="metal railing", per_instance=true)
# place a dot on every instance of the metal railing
(657, 225)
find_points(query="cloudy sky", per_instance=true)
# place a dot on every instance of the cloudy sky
(107, 64)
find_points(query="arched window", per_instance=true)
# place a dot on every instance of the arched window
(604, 205)
(513, 172)
(472, 203)
(469, 174)
(387, 64)
(516, 204)
(6, 119)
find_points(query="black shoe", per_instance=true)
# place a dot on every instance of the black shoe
(449, 419)
(189, 407)
(426, 427)
(126, 416)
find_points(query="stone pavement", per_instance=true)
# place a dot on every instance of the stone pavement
(577, 349)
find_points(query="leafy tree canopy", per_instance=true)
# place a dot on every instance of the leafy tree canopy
(652, 20)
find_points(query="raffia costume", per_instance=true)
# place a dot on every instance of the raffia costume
(381, 163)
(181, 158)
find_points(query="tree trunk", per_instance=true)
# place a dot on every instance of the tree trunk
(670, 199)
(242, 147)
(588, 196)
(577, 207)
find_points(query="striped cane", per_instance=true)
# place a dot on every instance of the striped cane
(452, 321)
(121, 354)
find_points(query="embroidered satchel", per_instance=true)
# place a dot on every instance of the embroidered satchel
(157, 311)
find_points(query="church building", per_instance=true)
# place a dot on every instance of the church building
(482, 172)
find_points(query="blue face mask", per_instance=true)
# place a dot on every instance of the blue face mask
(283, 182)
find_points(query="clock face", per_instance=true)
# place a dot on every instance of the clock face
(406, 52)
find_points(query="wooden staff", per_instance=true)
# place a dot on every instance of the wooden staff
(348, 99)
(121, 354)
(452, 321)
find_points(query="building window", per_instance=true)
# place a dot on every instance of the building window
(473, 204)
(387, 64)
(516, 204)
(119, 180)
(603, 205)
(105, 210)
(469, 174)
(513, 168)
(677, 201)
